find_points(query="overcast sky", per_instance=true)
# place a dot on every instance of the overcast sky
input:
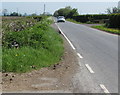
(60, 0)
(37, 7)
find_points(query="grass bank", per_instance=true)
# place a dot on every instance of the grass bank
(72, 20)
(100, 27)
(110, 30)
(38, 46)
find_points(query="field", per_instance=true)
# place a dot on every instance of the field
(29, 43)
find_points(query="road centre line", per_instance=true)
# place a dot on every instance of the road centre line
(104, 88)
(89, 68)
(79, 55)
(66, 37)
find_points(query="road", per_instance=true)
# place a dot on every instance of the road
(100, 51)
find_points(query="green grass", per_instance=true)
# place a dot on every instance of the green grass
(40, 46)
(110, 30)
(100, 27)
(72, 20)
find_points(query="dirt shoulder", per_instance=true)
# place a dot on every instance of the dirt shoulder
(56, 78)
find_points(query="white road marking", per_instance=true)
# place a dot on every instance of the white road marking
(104, 88)
(65, 37)
(79, 55)
(89, 68)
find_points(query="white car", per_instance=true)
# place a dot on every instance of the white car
(61, 19)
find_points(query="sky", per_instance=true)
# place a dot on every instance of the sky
(51, 7)
(59, 0)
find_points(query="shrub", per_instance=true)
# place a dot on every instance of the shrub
(38, 46)
(92, 18)
(38, 18)
(114, 21)
(111, 20)
(33, 36)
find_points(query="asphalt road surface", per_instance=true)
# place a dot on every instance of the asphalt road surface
(99, 51)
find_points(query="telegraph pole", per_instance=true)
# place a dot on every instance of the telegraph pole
(44, 9)
(17, 10)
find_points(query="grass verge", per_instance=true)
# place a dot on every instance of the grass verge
(72, 20)
(110, 30)
(100, 27)
(39, 46)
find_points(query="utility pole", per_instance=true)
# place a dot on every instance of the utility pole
(44, 9)
(17, 11)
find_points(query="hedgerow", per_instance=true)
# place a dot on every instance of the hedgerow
(114, 21)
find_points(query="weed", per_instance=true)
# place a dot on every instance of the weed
(38, 46)
(110, 30)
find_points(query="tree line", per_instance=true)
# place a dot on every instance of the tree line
(6, 13)
(67, 12)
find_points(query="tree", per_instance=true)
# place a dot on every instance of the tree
(34, 14)
(72, 13)
(4, 11)
(14, 14)
(25, 14)
(109, 11)
(113, 10)
(56, 13)
(67, 12)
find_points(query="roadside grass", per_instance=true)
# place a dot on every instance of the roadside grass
(100, 27)
(110, 30)
(39, 46)
(72, 20)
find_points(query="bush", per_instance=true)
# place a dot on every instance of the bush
(37, 46)
(38, 18)
(91, 18)
(33, 36)
(111, 20)
(114, 21)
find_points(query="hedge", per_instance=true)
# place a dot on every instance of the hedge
(114, 21)
(86, 18)
(111, 20)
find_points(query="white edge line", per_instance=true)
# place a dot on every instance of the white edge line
(89, 68)
(65, 37)
(104, 88)
(79, 55)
